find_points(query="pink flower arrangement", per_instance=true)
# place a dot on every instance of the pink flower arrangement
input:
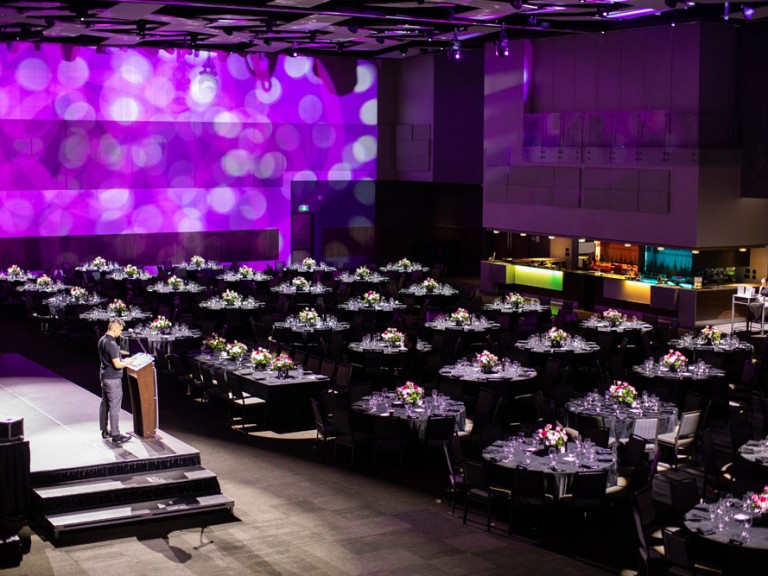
(552, 436)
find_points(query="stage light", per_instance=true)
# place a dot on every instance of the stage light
(671, 3)
(516, 4)
(502, 44)
(294, 51)
(748, 11)
(454, 52)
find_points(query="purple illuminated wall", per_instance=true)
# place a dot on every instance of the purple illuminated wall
(139, 141)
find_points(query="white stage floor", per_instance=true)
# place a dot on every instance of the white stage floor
(61, 421)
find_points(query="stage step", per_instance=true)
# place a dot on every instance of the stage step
(126, 488)
(69, 522)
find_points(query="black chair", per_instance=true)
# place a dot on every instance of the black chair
(478, 489)
(324, 429)
(455, 474)
(347, 437)
(684, 495)
(453, 389)
(652, 558)
(632, 455)
(587, 494)
(529, 494)
(389, 437)
(242, 405)
(439, 429)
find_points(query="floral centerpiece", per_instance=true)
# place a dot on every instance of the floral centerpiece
(430, 285)
(231, 297)
(556, 338)
(215, 343)
(261, 358)
(622, 392)
(613, 317)
(300, 283)
(78, 293)
(362, 272)
(487, 361)
(552, 436)
(283, 362)
(44, 281)
(175, 282)
(236, 350)
(245, 271)
(410, 393)
(117, 307)
(99, 262)
(711, 334)
(461, 316)
(392, 335)
(759, 504)
(14, 270)
(197, 261)
(308, 263)
(515, 300)
(404, 263)
(308, 316)
(160, 323)
(131, 271)
(675, 361)
(371, 298)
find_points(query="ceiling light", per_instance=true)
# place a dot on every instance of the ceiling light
(661, 248)
(582, 240)
(694, 251)
(748, 11)
(551, 237)
(523, 234)
(742, 249)
(294, 51)
(628, 245)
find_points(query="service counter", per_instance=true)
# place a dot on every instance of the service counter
(590, 289)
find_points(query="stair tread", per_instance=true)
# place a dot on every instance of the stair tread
(138, 511)
(124, 482)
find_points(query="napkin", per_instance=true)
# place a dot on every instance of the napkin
(705, 531)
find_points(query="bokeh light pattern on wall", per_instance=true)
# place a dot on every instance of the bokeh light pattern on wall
(141, 141)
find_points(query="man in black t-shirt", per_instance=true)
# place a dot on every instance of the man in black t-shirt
(111, 376)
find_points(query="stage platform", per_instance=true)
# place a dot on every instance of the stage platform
(81, 481)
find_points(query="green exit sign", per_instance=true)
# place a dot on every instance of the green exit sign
(303, 207)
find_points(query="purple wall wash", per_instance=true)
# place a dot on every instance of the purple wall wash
(147, 141)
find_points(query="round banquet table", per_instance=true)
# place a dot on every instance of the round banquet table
(727, 548)
(695, 348)
(133, 314)
(417, 416)
(295, 332)
(508, 454)
(605, 326)
(619, 417)
(755, 451)
(507, 381)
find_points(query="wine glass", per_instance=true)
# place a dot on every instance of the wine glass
(552, 456)
(745, 526)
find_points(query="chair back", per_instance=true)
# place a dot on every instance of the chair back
(440, 428)
(589, 486)
(328, 368)
(451, 388)
(475, 475)
(341, 421)
(600, 436)
(319, 420)
(386, 428)
(646, 428)
(343, 374)
(676, 548)
(684, 494)
(634, 451)
(689, 423)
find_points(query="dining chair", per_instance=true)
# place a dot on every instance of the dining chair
(351, 439)
(684, 495)
(632, 455)
(529, 495)
(389, 437)
(652, 557)
(648, 429)
(324, 429)
(477, 489)
(241, 405)
(586, 494)
(328, 368)
(453, 389)
(455, 475)
(343, 374)
(682, 437)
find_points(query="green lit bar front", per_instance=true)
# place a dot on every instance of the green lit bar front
(539, 277)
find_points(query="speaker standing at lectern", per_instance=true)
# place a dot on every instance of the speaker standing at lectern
(111, 376)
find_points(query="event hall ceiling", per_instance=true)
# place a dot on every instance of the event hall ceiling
(363, 28)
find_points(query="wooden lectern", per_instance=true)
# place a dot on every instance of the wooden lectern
(142, 383)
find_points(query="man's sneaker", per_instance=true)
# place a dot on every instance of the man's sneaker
(120, 439)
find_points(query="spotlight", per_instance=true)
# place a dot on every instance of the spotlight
(267, 42)
(141, 28)
(602, 13)
(379, 39)
(748, 11)
(294, 51)
(670, 4)
(502, 44)
(352, 28)
(454, 52)
(516, 4)
(403, 50)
